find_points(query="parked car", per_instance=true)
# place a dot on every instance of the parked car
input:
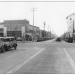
(7, 43)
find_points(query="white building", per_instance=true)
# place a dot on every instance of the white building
(71, 23)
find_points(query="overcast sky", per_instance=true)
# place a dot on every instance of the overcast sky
(54, 13)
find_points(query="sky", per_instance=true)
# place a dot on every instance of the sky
(53, 13)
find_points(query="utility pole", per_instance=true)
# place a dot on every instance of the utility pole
(33, 15)
(44, 25)
(50, 32)
(73, 30)
(33, 25)
(44, 28)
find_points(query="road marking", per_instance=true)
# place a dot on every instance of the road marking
(20, 65)
(72, 63)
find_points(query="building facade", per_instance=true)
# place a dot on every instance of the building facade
(21, 28)
(71, 22)
(3, 31)
(71, 26)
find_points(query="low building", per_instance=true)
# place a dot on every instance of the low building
(20, 28)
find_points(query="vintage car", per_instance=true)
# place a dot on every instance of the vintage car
(7, 43)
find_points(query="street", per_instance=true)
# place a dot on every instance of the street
(48, 57)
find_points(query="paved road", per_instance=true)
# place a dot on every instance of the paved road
(53, 59)
(39, 58)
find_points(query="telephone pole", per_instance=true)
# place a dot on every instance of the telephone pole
(44, 25)
(73, 30)
(44, 29)
(33, 15)
(33, 24)
(50, 32)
